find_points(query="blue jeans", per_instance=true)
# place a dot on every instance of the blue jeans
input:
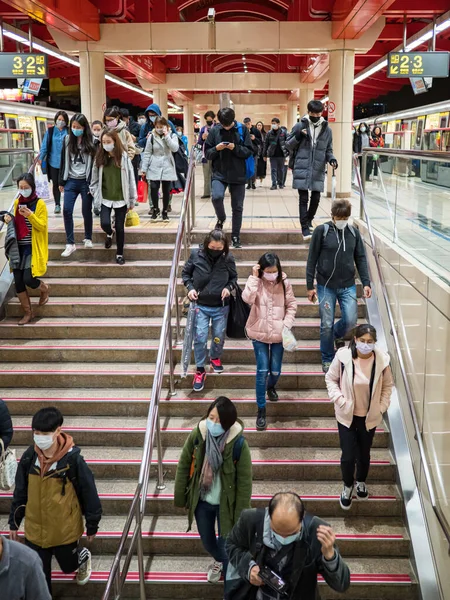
(72, 188)
(269, 358)
(206, 515)
(329, 330)
(218, 316)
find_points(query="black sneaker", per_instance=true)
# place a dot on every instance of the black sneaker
(154, 214)
(281, 187)
(362, 493)
(204, 197)
(273, 187)
(120, 260)
(345, 499)
(236, 242)
(307, 235)
(165, 216)
(109, 240)
(253, 186)
(261, 419)
(339, 343)
(219, 224)
(272, 394)
(249, 187)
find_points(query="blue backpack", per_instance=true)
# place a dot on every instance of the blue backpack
(250, 161)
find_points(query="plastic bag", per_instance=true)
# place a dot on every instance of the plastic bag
(8, 467)
(289, 341)
(42, 187)
(132, 219)
(142, 190)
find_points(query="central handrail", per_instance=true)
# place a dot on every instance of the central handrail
(418, 434)
(117, 576)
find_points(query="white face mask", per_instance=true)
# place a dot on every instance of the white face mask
(141, 121)
(362, 129)
(160, 131)
(26, 193)
(341, 224)
(44, 442)
(108, 147)
(60, 124)
(270, 276)
(274, 125)
(364, 348)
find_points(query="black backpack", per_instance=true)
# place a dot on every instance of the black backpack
(180, 158)
(238, 315)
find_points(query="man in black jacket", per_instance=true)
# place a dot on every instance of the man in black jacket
(228, 146)
(283, 539)
(336, 247)
(275, 149)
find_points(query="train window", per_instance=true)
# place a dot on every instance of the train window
(446, 141)
(419, 133)
(12, 123)
(42, 129)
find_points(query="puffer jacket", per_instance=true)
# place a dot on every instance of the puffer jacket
(273, 307)
(310, 158)
(128, 183)
(339, 380)
(126, 139)
(158, 162)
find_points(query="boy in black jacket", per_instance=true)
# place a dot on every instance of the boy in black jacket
(54, 489)
(335, 249)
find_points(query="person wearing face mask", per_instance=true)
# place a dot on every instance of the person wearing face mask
(50, 154)
(113, 187)
(310, 145)
(360, 383)
(362, 140)
(288, 541)
(274, 307)
(184, 140)
(214, 479)
(96, 128)
(112, 119)
(54, 489)
(209, 117)
(275, 150)
(26, 244)
(151, 113)
(209, 276)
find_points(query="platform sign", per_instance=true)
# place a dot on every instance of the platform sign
(14, 65)
(418, 64)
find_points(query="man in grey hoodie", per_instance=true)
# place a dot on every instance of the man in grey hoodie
(21, 573)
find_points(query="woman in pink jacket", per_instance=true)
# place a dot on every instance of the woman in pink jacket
(359, 383)
(273, 308)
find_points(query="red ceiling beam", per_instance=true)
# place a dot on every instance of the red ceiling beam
(318, 69)
(351, 18)
(163, 11)
(193, 13)
(416, 8)
(394, 33)
(78, 19)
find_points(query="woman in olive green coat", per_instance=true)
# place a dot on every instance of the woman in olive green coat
(214, 479)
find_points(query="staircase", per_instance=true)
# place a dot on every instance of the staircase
(91, 352)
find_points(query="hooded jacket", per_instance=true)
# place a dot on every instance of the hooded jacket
(236, 478)
(229, 165)
(273, 307)
(158, 162)
(126, 139)
(148, 126)
(339, 380)
(128, 183)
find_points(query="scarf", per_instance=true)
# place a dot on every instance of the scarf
(65, 443)
(314, 129)
(21, 225)
(213, 460)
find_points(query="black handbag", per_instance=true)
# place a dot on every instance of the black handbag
(238, 315)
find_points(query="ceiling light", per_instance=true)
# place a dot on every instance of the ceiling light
(249, 91)
(370, 72)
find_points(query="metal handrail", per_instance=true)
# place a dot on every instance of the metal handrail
(418, 435)
(117, 576)
(437, 155)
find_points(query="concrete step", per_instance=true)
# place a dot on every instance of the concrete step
(125, 307)
(319, 432)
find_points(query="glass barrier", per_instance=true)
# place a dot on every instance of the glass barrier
(12, 164)
(408, 201)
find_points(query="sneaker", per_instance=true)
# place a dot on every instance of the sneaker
(261, 423)
(205, 196)
(253, 186)
(281, 187)
(273, 187)
(165, 216)
(85, 568)
(339, 343)
(219, 224)
(120, 260)
(70, 249)
(236, 242)
(109, 240)
(88, 244)
(326, 367)
(345, 499)
(249, 187)
(272, 394)
(306, 233)
(216, 365)
(57, 209)
(215, 572)
(362, 493)
(154, 213)
(310, 225)
(199, 381)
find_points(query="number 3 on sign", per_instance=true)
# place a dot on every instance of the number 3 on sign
(418, 62)
(18, 62)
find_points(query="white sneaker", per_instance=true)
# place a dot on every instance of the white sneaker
(88, 244)
(70, 249)
(346, 497)
(362, 493)
(85, 569)
(215, 572)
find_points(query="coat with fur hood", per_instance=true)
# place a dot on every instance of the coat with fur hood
(158, 162)
(236, 478)
(128, 183)
(273, 307)
(126, 139)
(339, 380)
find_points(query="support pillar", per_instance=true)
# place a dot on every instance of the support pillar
(225, 100)
(188, 123)
(284, 117)
(306, 94)
(342, 69)
(92, 84)
(160, 98)
(292, 114)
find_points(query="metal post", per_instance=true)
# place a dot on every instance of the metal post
(171, 364)
(30, 34)
(117, 584)
(140, 553)
(193, 200)
(433, 39)
(178, 325)
(404, 32)
(2, 42)
(160, 484)
(187, 220)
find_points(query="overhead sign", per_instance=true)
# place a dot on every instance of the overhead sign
(14, 65)
(32, 86)
(418, 64)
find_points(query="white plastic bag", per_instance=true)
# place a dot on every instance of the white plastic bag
(42, 187)
(289, 341)
(8, 467)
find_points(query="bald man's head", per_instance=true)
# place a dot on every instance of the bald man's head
(286, 512)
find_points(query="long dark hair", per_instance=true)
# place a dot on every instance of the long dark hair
(366, 126)
(374, 134)
(64, 115)
(87, 145)
(227, 411)
(270, 259)
(102, 156)
(359, 332)
(217, 235)
(29, 178)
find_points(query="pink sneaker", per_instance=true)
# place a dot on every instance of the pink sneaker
(216, 365)
(199, 381)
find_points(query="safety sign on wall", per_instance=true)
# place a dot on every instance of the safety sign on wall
(418, 64)
(331, 112)
(14, 65)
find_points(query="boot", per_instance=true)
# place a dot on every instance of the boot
(44, 289)
(261, 419)
(26, 305)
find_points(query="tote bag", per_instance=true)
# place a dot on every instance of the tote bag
(238, 315)
(8, 467)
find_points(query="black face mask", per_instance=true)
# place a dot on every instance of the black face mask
(214, 254)
(209, 123)
(314, 119)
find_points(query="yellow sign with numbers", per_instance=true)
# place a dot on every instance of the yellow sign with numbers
(418, 64)
(13, 65)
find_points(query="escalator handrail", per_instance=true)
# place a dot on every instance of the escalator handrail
(437, 155)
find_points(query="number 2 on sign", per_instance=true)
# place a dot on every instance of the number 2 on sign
(31, 61)
(404, 60)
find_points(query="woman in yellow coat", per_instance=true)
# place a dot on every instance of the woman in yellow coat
(26, 244)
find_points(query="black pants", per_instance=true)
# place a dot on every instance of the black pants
(154, 189)
(307, 214)
(277, 170)
(237, 193)
(54, 176)
(23, 279)
(356, 443)
(105, 224)
(67, 557)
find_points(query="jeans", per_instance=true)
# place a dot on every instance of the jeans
(206, 178)
(269, 358)
(206, 515)
(356, 443)
(307, 214)
(105, 224)
(72, 188)
(237, 191)
(329, 330)
(154, 189)
(277, 170)
(54, 177)
(218, 316)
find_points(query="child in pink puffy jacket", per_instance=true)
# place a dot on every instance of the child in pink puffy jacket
(273, 308)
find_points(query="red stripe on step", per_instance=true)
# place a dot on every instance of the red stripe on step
(170, 399)
(183, 430)
(148, 373)
(127, 347)
(138, 461)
